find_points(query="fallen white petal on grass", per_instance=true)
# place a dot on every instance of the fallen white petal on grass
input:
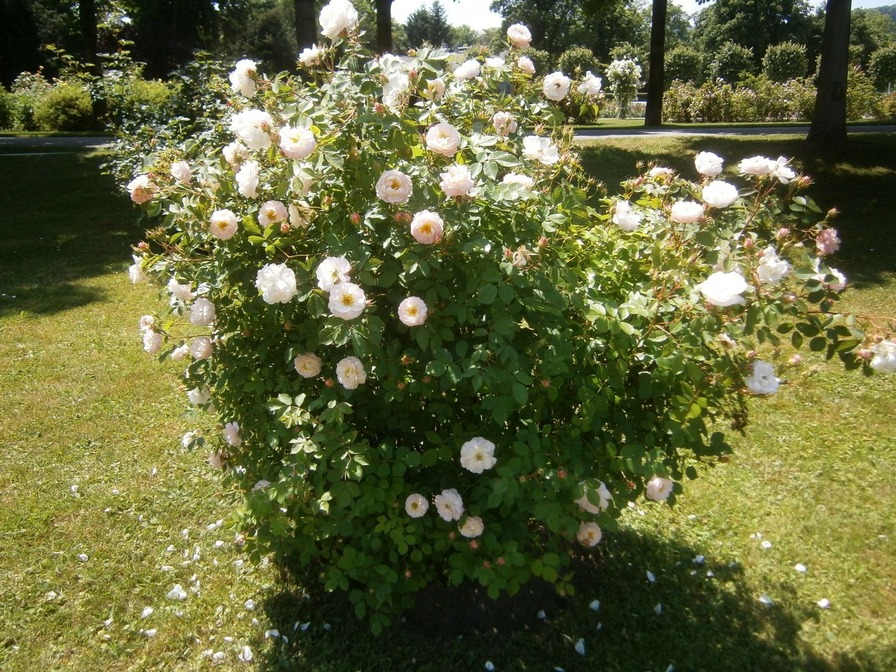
(800, 567)
(150, 633)
(766, 544)
(490, 666)
(177, 593)
(824, 603)
(50, 596)
(595, 605)
(249, 604)
(541, 615)
(765, 599)
(272, 634)
(658, 609)
(166, 568)
(580, 647)
(219, 656)
(83, 557)
(699, 559)
(246, 655)
(74, 489)
(651, 577)
(147, 612)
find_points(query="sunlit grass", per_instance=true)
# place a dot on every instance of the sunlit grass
(92, 466)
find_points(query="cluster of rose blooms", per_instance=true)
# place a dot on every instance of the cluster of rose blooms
(255, 130)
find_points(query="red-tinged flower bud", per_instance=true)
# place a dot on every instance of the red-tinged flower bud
(355, 218)
(752, 354)
(400, 385)
(545, 383)
(805, 181)
(143, 246)
(474, 544)
(329, 382)
(543, 242)
(783, 233)
(561, 473)
(407, 574)
(379, 108)
(403, 217)
(833, 212)
(406, 359)
(486, 564)
(795, 360)
(427, 380)
(508, 253)
(284, 227)
(866, 354)
(501, 561)
(412, 75)
(452, 536)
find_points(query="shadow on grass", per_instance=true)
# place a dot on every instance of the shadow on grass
(858, 180)
(62, 225)
(714, 623)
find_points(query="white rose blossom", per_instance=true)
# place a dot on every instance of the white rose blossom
(556, 86)
(772, 269)
(519, 35)
(146, 323)
(719, 194)
(456, 180)
(658, 489)
(504, 123)
(472, 527)
(152, 342)
(427, 227)
(434, 89)
(780, 170)
(180, 293)
(589, 534)
(180, 352)
(310, 56)
(477, 455)
(625, 217)
(199, 396)
(247, 179)
(708, 164)
(525, 64)
(883, 358)
(449, 505)
(272, 212)
(540, 149)
(242, 79)
(202, 312)
(201, 348)
(276, 283)
(253, 127)
(467, 70)
(394, 187)
(333, 271)
(757, 166)
(416, 505)
(412, 311)
(297, 143)
(603, 496)
(180, 171)
(337, 17)
(223, 224)
(350, 373)
(307, 365)
(590, 85)
(494, 62)
(232, 434)
(516, 178)
(347, 301)
(142, 189)
(762, 379)
(136, 273)
(724, 289)
(839, 282)
(235, 152)
(300, 215)
(443, 138)
(686, 212)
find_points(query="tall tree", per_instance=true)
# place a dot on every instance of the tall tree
(655, 76)
(429, 25)
(306, 30)
(829, 119)
(383, 26)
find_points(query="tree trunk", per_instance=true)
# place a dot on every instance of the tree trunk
(306, 29)
(383, 26)
(656, 75)
(829, 119)
(89, 38)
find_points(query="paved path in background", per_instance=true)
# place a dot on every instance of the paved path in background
(714, 130)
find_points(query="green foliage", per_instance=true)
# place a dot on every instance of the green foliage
(575, 62)
(570, 359)
(887, 106)
(869, 30)
(543, 60)
(685, 64)
(861, 96)
(882, 67)
(65, 107)
(428, 26)
(732, 62)
(756, 99)
(7, 109)
(785, 61)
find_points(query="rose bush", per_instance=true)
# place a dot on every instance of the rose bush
(432, 305)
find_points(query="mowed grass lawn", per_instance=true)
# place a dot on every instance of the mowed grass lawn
(102, 512)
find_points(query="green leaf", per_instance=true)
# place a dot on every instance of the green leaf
(487, 294)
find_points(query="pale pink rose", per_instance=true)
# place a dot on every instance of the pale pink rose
(435, 89)
(477, 455)
(350, 373)
(603, 496)
(504, 123)
(142, 189)
(443, 138)
(762, 380)
(658, 489)
(556, 86)
(347, 301)
(412, 311)
(472, 527)
(202, 312)
(146, 323)
(232, 434)
(235, 152)
(272, 212)
(589, 534)
(199, 396)
(394, 187)
(708, 164)
(686, 212)
(467, 70)
(180, 171)
(456, 180)
(883, 357)
(449, 505)
(223, 224)
(771, 269)
(307, 365)
(724, 289)
(525, 64)
(416, 505)
(625, 217)
(201, 348)
(719, 194)
(297, 143)
(253, 127)
(333, 271)
(276, 283)
(180, 352)
(152, 342)
(827, 242)
(247, 179)
(540, 149)
(519, 36)
(338, 17)
(427, 227)
(242, 79)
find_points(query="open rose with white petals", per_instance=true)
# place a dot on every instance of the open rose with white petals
(307, 365)
(589, 534)
(443, 138)
(449, 505)
(272, 212)
(253, 127)
(242, 79)
(519, 35)
(333, 271)
(427, 227)
(416, 505)
(467, 70)
(472, 527)
(883, 358)
(394, 187)
(276, 283)
(247, 179)
(142, 189)
(625, 217)
(762, 379)
(347, 301)
(658, 489)
(223, 224)
(556, 86)
(338, 17)
(708, 164)
(456, 180)
(297, 143)
(202, 312)
(477, 455)
(232, 434)
(719, 194)
(412, 311)
(686, 212)
(180, 171)
(350, 373)
(540, 149)
(724, 289)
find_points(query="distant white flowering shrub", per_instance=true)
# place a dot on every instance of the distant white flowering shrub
(396, 293)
